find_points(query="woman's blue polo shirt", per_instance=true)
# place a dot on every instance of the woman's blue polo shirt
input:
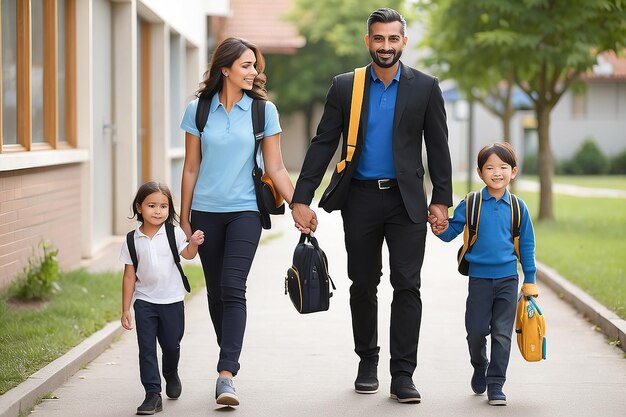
(224, 181)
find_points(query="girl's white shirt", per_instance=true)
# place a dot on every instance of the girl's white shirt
(158, 278)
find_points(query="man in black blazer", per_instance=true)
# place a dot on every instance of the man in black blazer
(382, 196)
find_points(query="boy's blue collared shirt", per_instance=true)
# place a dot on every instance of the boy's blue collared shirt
(376, 160)
(493, 254)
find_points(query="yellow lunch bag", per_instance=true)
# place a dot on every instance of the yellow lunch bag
(530, 326)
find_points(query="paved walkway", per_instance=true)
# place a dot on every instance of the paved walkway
(304, 365)
(574, 190)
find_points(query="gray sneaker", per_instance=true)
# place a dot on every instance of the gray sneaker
(225, 392)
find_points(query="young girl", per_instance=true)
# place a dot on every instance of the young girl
(217, 191)
(158, 291)
(493, 279)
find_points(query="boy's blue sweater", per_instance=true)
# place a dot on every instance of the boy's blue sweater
(493, 255)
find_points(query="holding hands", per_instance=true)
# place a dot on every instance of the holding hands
(304, 217)
(197, 238)
(438, 218)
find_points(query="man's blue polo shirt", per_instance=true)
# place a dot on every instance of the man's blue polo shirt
(224, 181)
(376, 159)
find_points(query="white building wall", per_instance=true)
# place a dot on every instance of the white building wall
(603, 118)
(186, 23)
(187, 17)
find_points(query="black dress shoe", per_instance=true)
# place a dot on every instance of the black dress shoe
(152, 404)
(403, 390)
(173, 387)
(366, 380)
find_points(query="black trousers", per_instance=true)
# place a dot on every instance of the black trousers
(231, 240)
(370, 217)
(165, 323)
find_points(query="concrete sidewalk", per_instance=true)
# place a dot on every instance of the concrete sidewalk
(575, 190)
(304, 365)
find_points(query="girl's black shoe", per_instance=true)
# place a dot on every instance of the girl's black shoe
(152, 404)
(173, 386)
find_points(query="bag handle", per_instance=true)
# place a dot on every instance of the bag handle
(531, 301)
(304, 237)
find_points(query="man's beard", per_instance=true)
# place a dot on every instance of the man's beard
(385, 64)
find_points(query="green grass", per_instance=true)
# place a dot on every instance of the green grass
(30, 338)
(586, 244)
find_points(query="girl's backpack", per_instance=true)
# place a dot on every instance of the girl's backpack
(171, 238)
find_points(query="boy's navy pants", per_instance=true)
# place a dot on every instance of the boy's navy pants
(490, 309)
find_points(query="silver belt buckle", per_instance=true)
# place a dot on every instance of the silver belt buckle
(382, 186)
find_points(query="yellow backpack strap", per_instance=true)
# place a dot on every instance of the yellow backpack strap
(516, 221)
(358, 87)
(473, 201)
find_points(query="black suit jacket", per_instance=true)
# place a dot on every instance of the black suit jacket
(419, 118)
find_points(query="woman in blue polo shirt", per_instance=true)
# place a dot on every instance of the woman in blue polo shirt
(217, 192)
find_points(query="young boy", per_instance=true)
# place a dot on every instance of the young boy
(493, 279)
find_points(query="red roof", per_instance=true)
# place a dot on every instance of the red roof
(263, 23)
(609, 67)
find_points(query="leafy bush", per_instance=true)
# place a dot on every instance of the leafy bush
(618, 164)
(38, 279)
(588, 160)
(567, 167)
(530, 166)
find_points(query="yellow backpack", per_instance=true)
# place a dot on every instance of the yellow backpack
(530, 326)
(473, 202)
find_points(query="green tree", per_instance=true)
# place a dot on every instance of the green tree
(456, 54)
(334, 32)
(299, 82)
(548, 45)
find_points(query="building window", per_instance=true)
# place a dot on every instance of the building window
(9, 72)
(176, 94)
(38, 74)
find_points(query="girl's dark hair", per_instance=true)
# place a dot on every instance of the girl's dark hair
(154, 187)
(385, 15)
(504, 151)
(226, 53)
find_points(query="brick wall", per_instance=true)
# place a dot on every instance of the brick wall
(39, 204)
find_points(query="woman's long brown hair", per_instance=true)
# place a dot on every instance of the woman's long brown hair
(226, 53)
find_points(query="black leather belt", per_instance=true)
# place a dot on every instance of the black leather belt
(382, 184)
